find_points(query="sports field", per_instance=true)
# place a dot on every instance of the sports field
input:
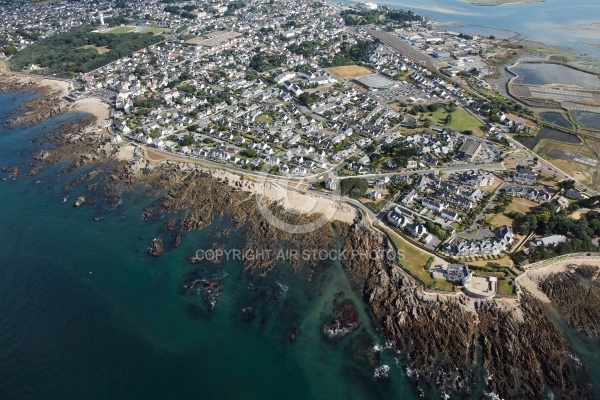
(121, 29)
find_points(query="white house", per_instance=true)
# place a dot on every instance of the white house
(432, 205)
(525, 176)
(417, 230)
(331, 184)
(459, 273)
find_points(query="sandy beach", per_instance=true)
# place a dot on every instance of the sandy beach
(55, 84)
(96, 107)
(91, 105)
(290, 199)
(62, 86)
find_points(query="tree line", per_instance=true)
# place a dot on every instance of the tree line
(544, 220)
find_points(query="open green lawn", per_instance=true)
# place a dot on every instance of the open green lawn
(151, 29)
(121, 29)
(100, 50)
(264, 118)
(414, 260)
(518, 204)
(503, 286)
(461, 121)
(521, 205)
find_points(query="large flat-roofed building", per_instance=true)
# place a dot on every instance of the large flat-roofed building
(470, 149)
(376, 82)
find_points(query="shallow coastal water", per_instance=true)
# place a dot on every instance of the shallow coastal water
(587, 119)
(548, 133)
(564, 23)
(546, 74)
(86, 313)
(556, 119)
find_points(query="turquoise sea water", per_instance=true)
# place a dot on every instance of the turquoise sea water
(85, 313)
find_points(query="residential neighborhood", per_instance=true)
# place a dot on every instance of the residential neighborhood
(309, 94)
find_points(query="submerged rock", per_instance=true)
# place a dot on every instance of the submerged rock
(294, 333)
(13, 172)
(382, 372)
(343, 320)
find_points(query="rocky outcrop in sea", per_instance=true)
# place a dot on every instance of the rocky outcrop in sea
(47, 103)
(342, 321)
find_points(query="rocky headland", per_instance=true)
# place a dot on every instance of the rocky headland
(47, 102)
(576, 293)
(520, 351)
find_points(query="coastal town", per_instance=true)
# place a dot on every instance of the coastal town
(391, 115)
(388, 203)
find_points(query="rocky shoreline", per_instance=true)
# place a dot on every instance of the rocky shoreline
(521, 351)
(443, 341)
(47, 103)
(576, 293)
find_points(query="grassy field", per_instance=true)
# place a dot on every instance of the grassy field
(521, 205)
(151, 29)
(264, 118)
(100, 50)
(496, 220)
(502, 262)
(546, 145)
(414, 260)
(349, 71)
(577, 171)
(580, 172)
(510, 162)
(461, 121)
(518, 204)
(376, 206)
(121, 29)
(580, 213)
(503, 286)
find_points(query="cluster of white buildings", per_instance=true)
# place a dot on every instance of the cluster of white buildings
(489, 246)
